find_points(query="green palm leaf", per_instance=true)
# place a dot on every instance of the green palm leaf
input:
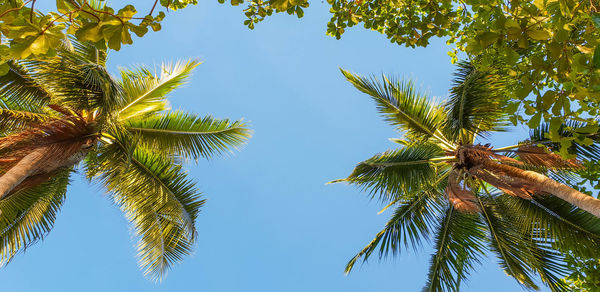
(82, 85)
(401, 104)
(459, 246)
(29, 214)
(188, 135)
(512, 246)
(146, 93)
(475, 104)
(20, 88)
(553, 221)
(87, 51)
(156, 197)
(393, 173)
(13, 120)
(411, 222)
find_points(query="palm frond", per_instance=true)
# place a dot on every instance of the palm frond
(459, 195)
(29, 214)
(583, 152)
(188, 135)
(394, 172)
(556, 222)
(554, 227)
(156, 197)
(14, 120)
(87, 51)
(512, 246)
(541, 156)
(401, 104)
(411, 222)
(20, 88)
(475, 104)
(146, 93)
(83, 85)
(459, 245)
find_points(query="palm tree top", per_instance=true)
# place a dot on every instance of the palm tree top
(68, 109)
(471, 197)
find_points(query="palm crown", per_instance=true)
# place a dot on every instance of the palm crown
(56, 113)
(470, 197)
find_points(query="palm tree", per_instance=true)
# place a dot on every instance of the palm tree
(59, 112)
(470, 197)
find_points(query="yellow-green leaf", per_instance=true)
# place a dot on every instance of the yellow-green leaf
(538, 34)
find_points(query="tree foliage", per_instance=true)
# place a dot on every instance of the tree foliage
(550, 48)
(585, 273)
(27, 32)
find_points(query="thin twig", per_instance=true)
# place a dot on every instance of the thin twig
(103, 12)
(31, 12)
(153, 6)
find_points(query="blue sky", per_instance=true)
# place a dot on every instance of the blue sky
(270, 222)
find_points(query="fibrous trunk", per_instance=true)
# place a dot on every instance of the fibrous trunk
(576, 198)
(26, 167)
(532, 181)
(33, 156)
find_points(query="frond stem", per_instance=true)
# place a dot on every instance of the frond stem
(181, 132)
(416, 162)
(492, 230)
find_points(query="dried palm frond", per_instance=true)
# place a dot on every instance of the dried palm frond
(541, 156)
(462, 199)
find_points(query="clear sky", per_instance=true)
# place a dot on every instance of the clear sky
(270, 222)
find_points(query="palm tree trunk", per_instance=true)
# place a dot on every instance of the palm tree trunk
(570, 195)
(545, 184)
(26, 167)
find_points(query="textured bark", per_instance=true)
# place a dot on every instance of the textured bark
(26, 167)
(541, 183)
(576, 198)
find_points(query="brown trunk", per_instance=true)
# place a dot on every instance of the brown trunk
(26, 167)
(576, 198)
(542, 183)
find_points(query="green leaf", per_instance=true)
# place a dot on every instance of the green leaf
(90, 32)
(146, 93)
(538, 34)
(548, 99)
(127, 12)
(475, 104)
(535, 120)
(510, 244)
(4, 68)
(596, 19)
(393, 173)
(411, 222)
(596, 58)
(65, 6)
(487, 38)
(402, 105)
(555, 124)
(458, 248)
(29, 214)
(20, 88)
(156, 196)
(188, 135)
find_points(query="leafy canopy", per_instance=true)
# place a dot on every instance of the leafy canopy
(550, 48)
(27, 32)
